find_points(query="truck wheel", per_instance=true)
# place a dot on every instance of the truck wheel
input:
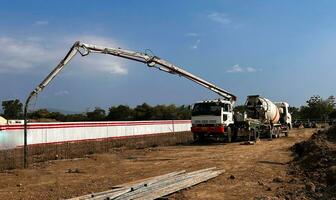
(229, 131)
(234, 133)
(198, 137)
(195, 137)
(287, 130)
(286, 133)
(277, 132)
(271, 134)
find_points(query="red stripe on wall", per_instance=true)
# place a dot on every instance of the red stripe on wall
(89, 124)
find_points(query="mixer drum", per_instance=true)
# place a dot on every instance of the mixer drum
(262, 109)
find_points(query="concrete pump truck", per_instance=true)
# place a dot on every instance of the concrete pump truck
(211, 118)
(219, 113)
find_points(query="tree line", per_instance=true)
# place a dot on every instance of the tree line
(13, 109)
(316, 108)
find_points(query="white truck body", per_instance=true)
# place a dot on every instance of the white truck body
(212, 117)
(285, 116)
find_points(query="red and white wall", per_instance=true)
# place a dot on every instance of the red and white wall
(11, 136)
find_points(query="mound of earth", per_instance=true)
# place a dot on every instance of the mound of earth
(315, 164)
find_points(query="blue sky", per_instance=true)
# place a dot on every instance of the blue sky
(283, 50)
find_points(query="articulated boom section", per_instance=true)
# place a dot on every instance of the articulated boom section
(152, 61)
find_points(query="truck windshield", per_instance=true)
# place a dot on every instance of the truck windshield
(207, 109)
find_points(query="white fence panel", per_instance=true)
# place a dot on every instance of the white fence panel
(11, 136)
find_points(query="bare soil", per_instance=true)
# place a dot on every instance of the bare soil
(315, 164)
(257, 171)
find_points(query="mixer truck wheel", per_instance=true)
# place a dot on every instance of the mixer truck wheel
(232, 136)
(287, 130)
(277, 132)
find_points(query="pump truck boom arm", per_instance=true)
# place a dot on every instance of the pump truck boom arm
(151, 61)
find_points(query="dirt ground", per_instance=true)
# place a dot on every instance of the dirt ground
(258, 171)
(315, 164)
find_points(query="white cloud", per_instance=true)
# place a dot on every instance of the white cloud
(235, 69)
(32, 53)
(221, 18)
(102, 63)
(195, 46)
(41, 22)
(192, 34)
(238, 69)
(21, 55)
(61, 93)
(250, 69)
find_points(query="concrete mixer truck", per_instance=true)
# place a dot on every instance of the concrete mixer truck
(215, 119)
(263, 118)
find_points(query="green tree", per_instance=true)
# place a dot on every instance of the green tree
(184, 112)
(45, 114)
(295, 112)
(332, 115)
(317, 108)
(98, 114)
(57, 116)
(40, 113)
(143, 112)
(120, 113)
(75, 118)
(12, 109)
(164, 112)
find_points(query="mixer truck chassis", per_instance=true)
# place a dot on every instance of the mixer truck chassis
(248, 130)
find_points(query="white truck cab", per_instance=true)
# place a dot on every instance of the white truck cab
(212, 118)
(285, 116)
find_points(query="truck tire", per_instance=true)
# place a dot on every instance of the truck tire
(234, 133)
(195, 137)
(271, 134)
(229, 132)
(277, 132)
(253, 135)
(287, 130)
(198, 137)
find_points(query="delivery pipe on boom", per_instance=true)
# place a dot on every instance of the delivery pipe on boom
(72, 52)
(151, 61)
